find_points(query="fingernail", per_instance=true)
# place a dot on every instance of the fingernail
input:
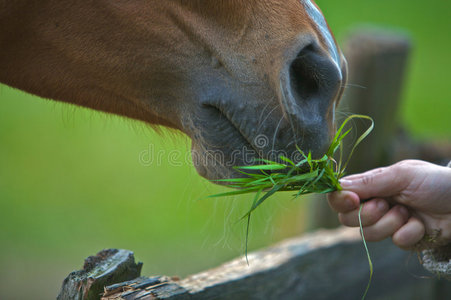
(345, 183)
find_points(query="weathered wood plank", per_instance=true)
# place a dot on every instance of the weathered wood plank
(323, 265)
(107, 267)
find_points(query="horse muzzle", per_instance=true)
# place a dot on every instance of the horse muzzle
(237, 123)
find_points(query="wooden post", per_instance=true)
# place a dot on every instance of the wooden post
(107, 267)
(377, 70)
(377, 62)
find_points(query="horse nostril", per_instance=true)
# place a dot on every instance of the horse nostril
(302, 76)
(313, 76)
(310, 86)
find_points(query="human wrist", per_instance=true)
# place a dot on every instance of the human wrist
(438, 260)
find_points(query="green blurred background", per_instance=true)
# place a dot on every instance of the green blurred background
(72, 182)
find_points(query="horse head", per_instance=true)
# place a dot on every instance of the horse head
(243, 79)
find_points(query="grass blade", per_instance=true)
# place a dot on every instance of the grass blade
(360, 139)
(272, 167)
(234, 193)
(286, 159)
(238, 180)
(257, 195)
(262, 199)
(367, 252)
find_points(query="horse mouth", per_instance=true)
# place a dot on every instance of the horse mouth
(217, 151)
(225, 140)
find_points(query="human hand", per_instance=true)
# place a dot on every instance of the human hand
(408, 200)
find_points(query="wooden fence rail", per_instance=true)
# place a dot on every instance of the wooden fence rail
(322, 265)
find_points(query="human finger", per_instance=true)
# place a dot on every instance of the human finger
(343, 201)
(372, 212)
(409, 234)
(391, 222)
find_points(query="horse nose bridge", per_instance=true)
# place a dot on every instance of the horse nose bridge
(321, 30)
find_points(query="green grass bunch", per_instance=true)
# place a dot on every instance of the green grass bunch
(307, 176)
(304, 177)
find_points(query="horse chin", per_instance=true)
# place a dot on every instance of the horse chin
(214, 164)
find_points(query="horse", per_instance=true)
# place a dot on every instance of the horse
(243, 79)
